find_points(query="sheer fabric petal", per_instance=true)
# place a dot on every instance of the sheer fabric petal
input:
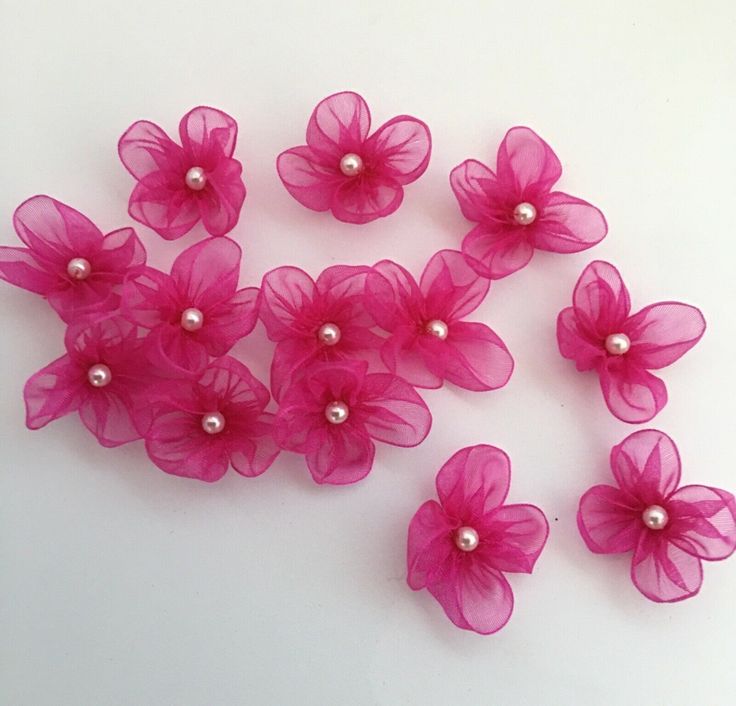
(309, 181)
(663, 572)
(569, 225)
(403, 146)
(473, 185)
(19, 267)
(601, 299)
(512, 538)
(609, 520)
(366, 198)
(169, 212)
(497, 252)
(53, 392)
(429, 547)
(575, 344)
(631, 393)
(145, 149)
(527, 161)
(338, 125)
(207, 132)
(286, 293)
(339, 457)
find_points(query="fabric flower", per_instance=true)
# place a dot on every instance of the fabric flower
(201, 428)
(599, 333)
(341, 169)
(312, 321)
(429, 342)
(101, 376)
(68, 260)
(335, 412)
(516, 210)
(180, 185)
(669, 530)
(460, 547)
(195, 312)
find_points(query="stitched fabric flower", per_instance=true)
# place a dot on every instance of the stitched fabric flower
(460, 547)
(68, 260)
(312, 321)
(180, 185)
(516, 210)
(102, 376)
(429, 342)
(335, 412)
(201, 428)
(344, 170)
(668, 529)
(195, 312)
(599, 333)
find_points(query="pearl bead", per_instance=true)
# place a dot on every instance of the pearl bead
(79, 268)
(466, 539)
(437, 328)
(192, 319)
(655, 517)
(196, 179)
(525, 213)
(329, 334)
(213, 423)
(99, 375)
(618, 344)
(337, 412)
(351, 164)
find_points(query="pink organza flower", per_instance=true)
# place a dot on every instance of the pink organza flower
(68, 260)
(599, 333)
(516, 210)
(460, 547)
(342, 169)
(335, 412)
(670, 530)
(180, 185)
(429, 342)
(201, 428)
(312, 321)
(195, 312)
(102, 376)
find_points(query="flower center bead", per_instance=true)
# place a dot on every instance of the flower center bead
(192, 319)
(79, 268)
(618, 343)
(525, 213)
(437, 328)
(196, 179)
(655, 517)
(337, 412)
(351, 164)
(466, 539)
(329, 334)
(99, 375)
(213, 423)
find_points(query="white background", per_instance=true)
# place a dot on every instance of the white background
(122, 585)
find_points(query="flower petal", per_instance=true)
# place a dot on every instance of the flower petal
(632, 394)
(527, 161)
(366, 198)
(53, 392)
(402, 147)
(393, 297)
(110, 417)
(310, 182)
(574, 343)
(286, 293)
(19, 267)
(608, 521)
(406, 354)
(222, 198)
(226, 323)
(206, 132)
(338, 125)
(568, 225)
(168, 209)
(475, 188)
(497, 252)
(122, 254)
(339, 456)
(601, 300)
(252, 455)
(512, 537)
(429, 546)
(145, 149)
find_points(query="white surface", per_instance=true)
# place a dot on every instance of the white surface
(122, 585)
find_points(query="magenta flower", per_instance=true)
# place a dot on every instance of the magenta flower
(429, 342)
(68, 260)
(195, 312)
(180, 185)
(335, 412)
(669, 530)
(312, 321)
(343, 170)
(516, 210)
(101, 377)
(201, 428)
(599, 333)
(460, 547)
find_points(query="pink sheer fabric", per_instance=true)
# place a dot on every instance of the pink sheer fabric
(294, 310)
(372, 407)
(203, 283)
(460, 547)
(653, 338)
(100, 377)
(695, 522)
(429, 342)
(343, 169)
(516, 210)
(169, 197)
(68, 260)
(201, 428)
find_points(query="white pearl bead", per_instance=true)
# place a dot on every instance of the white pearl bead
(79, 268)
(466, 539)
(196, 179)
(99, 375)
(192, 319)
(329, 334)
(213, 423)
(337, 412)
(618, 343)
(351, 164)
(438, 329)
(655, 517)
(525, 213)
